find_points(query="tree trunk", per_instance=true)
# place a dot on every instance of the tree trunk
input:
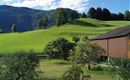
(65, 58)
(89, 66)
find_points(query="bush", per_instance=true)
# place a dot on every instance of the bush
(87, 52)
(120, 67)
(21, 66)
(59, 47)
(76, 39)
(74, 73)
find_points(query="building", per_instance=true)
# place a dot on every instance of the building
(116, 42)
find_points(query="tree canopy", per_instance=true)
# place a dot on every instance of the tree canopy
(127, 15)
(87, 52)
(92, 13)
(19, 67)
(59, 47)
(43, 23)
(120, 68)
(65, 15)
(105, 14)
(84, 15)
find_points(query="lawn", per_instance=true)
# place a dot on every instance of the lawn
(54, 69)
(37, 39)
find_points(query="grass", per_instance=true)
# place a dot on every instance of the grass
(37, 39)
(54, 69)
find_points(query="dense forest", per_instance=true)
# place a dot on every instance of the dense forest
(105, 14)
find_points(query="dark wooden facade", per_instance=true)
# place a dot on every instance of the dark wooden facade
(116, 42)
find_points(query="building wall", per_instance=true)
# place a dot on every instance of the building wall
(103, 44)
(128, 41)
(118, 47)
(115, 47)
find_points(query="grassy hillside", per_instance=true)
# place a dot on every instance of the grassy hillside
(36, 40)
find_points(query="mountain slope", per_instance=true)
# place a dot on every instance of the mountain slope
(24, 18)
(36, 40)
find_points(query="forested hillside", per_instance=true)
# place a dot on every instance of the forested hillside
(24, 18)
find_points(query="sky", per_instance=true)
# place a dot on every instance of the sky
(114, 6)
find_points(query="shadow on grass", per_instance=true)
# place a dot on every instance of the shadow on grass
(106, 25)
(83, 23)
(62, 63)
(49, 78)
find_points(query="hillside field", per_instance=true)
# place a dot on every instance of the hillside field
(37, 39)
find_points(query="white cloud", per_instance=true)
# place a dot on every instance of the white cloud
(80, 5)
(8, 0)
(32, 3)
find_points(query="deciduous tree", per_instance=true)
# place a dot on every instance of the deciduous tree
(120, 16)
(92, 13)
(59, 47)
(65, 15)
(87, 52)
(127, 15)
(43, 23)
(106, 14)
(84, 15)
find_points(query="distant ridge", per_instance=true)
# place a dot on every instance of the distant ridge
(24, 18)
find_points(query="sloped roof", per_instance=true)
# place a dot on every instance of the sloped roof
(119, 32)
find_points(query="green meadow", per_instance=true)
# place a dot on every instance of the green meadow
(37, 39)
(54, 69)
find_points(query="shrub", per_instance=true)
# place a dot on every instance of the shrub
(74, 73)
(87, 52)
(21, 66)
(120, 67)
(76, 39)
(59, 47)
